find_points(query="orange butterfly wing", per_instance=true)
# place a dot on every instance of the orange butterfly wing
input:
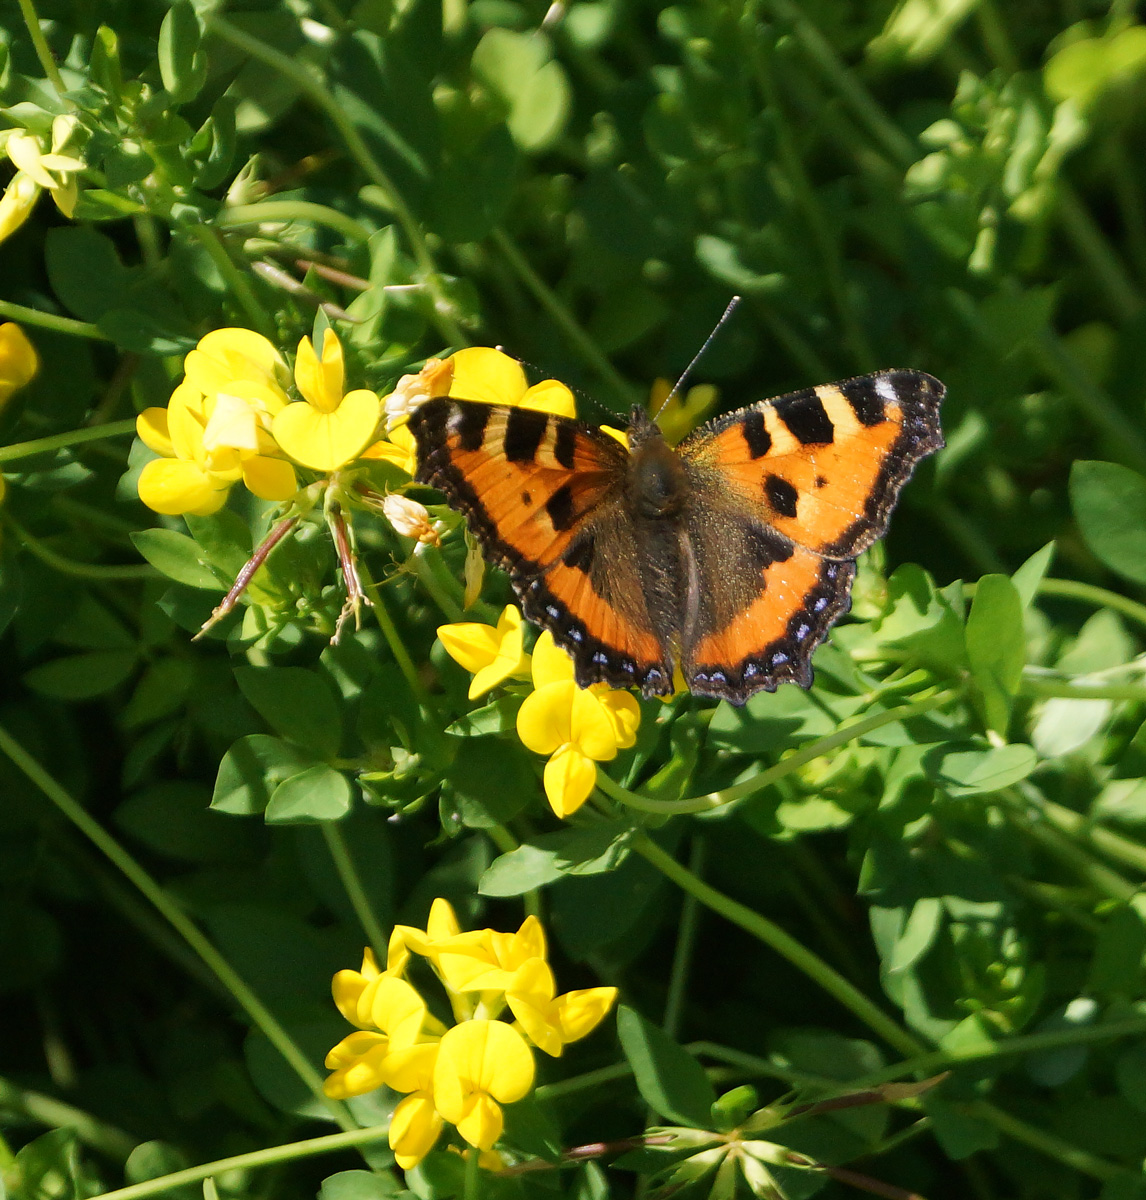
(543, 494)
(813, 477)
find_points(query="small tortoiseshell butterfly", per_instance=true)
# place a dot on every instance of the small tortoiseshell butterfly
(732, 554)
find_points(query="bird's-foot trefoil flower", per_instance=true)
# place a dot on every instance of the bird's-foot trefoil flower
(326, 429)
(464, 1074)
(19, 362)
(492, 655)
(216, 428)
(411, 519)
(576, 727)
(39, 170)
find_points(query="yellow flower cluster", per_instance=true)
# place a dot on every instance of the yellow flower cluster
(462, 1074)
(232, 418)
(576, 727)
(38, 170)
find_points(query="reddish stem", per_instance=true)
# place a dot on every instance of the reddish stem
(262, 551)
(866, 1184)
(355, 593)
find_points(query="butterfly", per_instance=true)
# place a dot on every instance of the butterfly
(730, 555)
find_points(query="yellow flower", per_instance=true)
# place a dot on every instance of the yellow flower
(551, 1021)
(52, 170)
(490, 655)
(399, 448)
(482, 373)
(576, 727)
(19, 361)
(415, 1124)
(480, 1066)
(360, 1061)
(354, 991)
(215, 430)
(684, 411)
(16, 204)
(326, 429)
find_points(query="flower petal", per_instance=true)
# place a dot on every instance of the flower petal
(471, 644)
(551, 664)
(552, 397)
(173, 487)
(569, 778)
(412, 1068)
(269, 478)
(398, 1010)
(25, 152)
(623, 711)
(321, 382)
(543, 721)
(414, 1128)
(16, 205)
(151, 426)
(591, 729)
(327, 441)
(481, 373)
(480, 1058)
(579, 1013)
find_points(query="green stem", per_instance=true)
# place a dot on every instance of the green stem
(685, 944)
(299, 74)
(1037, 686)
(1088, 593)
(33, 316)
(355, 892)
(421, 564)
(43, 50)
(58, 441)
(1092, 247)
(259, 1014)
(562, 317)
(237, 281)
(47, 1110)
(792, 762)
(390, 633)
(291, 1152)
(473, 1174)
(1032, 1043)
(241, 215)
(784, 944)
(70, 566)
(1053, 1147)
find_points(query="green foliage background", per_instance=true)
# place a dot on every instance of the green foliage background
(195, 836)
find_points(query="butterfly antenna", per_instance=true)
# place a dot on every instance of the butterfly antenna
(676, 387)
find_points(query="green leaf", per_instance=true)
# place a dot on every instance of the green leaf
(474, 188)
(1052, 1068)
(517, 67)
(979, 772)
(320, 793)
(1109, 503)
(996, 646)
(918, 934)
(920, 619)
(178, 557)
(567, 852)
(1130, 1072)
(153, 1160)
(182, 67)
(1065, 725)
(48, 1168)
(1028, 577)
(1116, 968)
(489, 782)
(251, 771)
(82, 676)
(500, 716)
(360, 1185)
(297, 704)
(85, 272)
(959, 1134)
(670, 1080)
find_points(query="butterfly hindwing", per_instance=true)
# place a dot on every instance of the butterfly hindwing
(824, 466)
(543, 495)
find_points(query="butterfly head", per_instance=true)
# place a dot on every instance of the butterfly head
(657, 484)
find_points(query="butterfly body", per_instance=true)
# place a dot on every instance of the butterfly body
(730, 555)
